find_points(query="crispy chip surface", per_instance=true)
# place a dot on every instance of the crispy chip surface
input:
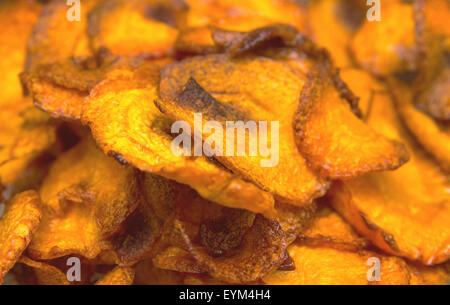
(17, 225)
(55, 38)
(403, 212)
(244, 15)
(136, 27)
(127, 125)
(331, 253)
(394, 50)
(196, 85)
(17, 20)
(232, 245)
(432, 134)
(81, 211)
(334, 141)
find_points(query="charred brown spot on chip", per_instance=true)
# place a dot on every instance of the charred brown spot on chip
(195, 98)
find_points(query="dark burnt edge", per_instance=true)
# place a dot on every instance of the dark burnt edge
(388, 238)
(118, 157)
(141, 230)
(291, 37)
(198, 253)
(288, 264)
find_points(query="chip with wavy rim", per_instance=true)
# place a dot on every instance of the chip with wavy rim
(81, 212)
(137, 27)
(196, 85)
(403, 212)
(19, 222)
(127, 125)
(336, 143)
(332, 253)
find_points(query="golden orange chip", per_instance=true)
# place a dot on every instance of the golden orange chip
(16, 19)
(404, 212)
(17, 225)
(136, 27)
(394, 50)
(363, 85)
(81, 210)
(60, 88)
(328, 229)
(20, 138)
(255, 89)
(127, 125)
(193, 41)
(177, 259)
(118, 276)
(338, 258)
(248, 15)
(343, 17)
(27, 131)
(46, 274)
(433, 135)
(55, 37)
(334, 141)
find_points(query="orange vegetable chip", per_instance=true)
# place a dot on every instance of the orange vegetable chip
(16, 20)
(20, 220)
(193, 41)
(60, 88)
(136, 27)
(334, 141)
(432, 134)
(25, 131)
(435, 101)
(343, 17)
(20, 138)
(255, 89)
(433, 42)
(127, 125)
(394, 49)
(46, 274)
(55, 37)
(139, 237)
(404, 212)
(248, 15)
(338, 258)
(118, 276)
(177, 259)
(363, 85)
(231, 245)
(81, 210)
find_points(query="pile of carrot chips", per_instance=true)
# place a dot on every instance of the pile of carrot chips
(116, 156)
